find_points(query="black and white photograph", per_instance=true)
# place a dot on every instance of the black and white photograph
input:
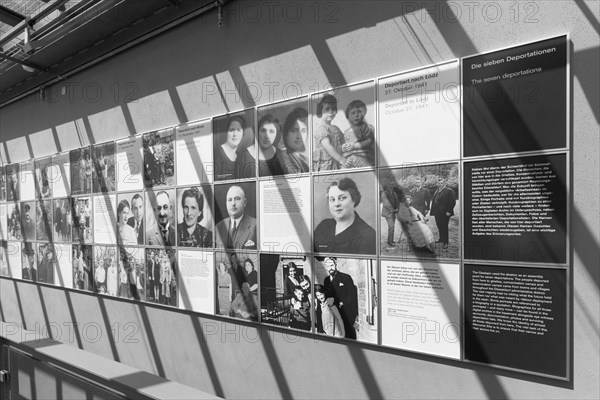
(345, 213)
(81, 170)
(13, 215)
(130, 218)
(282, 137)
(286, 291)
(132, 269)
(194, 217)
(161, 273)
(160, 218)
(4, 271)
(159, 158)
(103, 159)
(81, 213)
(237, 284)
(235, 214)
(234, 155)
(2, 183)
(28, 220)
(44, 225)
(344, 128)
(83, 274)
(12, 182)
(3, 222)
(28, 262)
(108, 279)
(47, 263)
(62, 220)
(346, 296)
(420, 212)
(43, 178)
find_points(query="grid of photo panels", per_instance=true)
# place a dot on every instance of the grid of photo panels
(337, 213)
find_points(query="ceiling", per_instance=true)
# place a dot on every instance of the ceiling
(45, 41)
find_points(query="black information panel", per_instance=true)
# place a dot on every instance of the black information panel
(516, 317)
(515, 100)
(516, 209)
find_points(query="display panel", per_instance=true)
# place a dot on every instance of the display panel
(4, 271)
(61, 175)
(132, 273)
(240, 281)
(2, 184)
(43, 178)
(47, 263)
(27, 181)
(108, 279)
(28, 220)
(160, 217)
(3, 222)
(62, 220)
(83, 223)
(83, 273)
(64, 271)
(196, 277)
(194, 153)
(235, 215)
(103, 174)
(13, 257)
(130, 218)
(163, 270)
(159, 158)
(130, 164)
(105, 219)
(234, 151)
(12, 182)
(82, 168)
(44, 225)
(195, 217)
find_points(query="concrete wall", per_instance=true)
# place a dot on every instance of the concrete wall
(259, 57)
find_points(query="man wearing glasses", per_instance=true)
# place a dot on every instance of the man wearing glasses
(162, 232)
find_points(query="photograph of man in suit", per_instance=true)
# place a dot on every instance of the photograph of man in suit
(137, 221)
(161, 232)
(442, 208)
(421, 198)
(341, 288)
(238, 231)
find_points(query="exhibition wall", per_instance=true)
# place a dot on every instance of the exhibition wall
(143, 97)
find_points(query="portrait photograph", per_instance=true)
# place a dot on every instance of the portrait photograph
(345, 291)
(286, 291)
(195, 217)
(47, 263)
(161, 271)
(237, 284)
(234, 154)
(132, 273)
(103, 159)
(62, 220)
(160, 218)
(13, 188)
(420, 212)
(13, 215)
(235, 215)
(43, 178)
(130, 218)
(343, 134)
(44, 225)
(282, 136)
(83, 228)
(345, 215)
(107, 278)
(81, 170)
(29, 262)
(2, 184)
(28, 220)
(83, 274)
(159, 158)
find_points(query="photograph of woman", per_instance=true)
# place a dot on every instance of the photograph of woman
(339, 227)
(162, 264)
(126, 233)
(295, 140)
(42, 179)
(234, 135)
(194, 228)
(343, 136)
(270, 156)
(242, 285)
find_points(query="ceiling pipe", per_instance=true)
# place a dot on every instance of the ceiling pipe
(199, 11)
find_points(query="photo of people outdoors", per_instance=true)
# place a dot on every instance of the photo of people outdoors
(159, 158)
(132, 269)
(81, 171)
(346, 298)
(2, 184)
(235, 214)
(234, 153)
(43, 226)
(343, 128)
(83, 276)
(103, 158)
(237, 284)
(282, 137)
(62, 220)
(28, 220)
(81, 212)
(130, 218)
(43, 183)
(160, 218)
(420, 211)
(106, 274)
(28, 262)
(13, 215)
(47, 263)
(194, 217)
(338, 200)
(161, 273)
(12, 182)
(286, 291)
